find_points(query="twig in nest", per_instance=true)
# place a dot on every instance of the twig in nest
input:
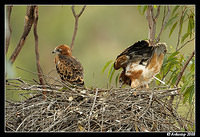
(76, 16)
(92, 109)
(66, 84)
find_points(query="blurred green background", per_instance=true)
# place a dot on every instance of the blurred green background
(103, 32)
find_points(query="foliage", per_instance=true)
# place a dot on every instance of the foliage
(171, 68)
(179, 15)
(187, 14)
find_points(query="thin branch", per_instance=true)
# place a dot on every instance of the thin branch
(163, 25)
(37, 51)
(29, 19)
(76, 16)
(152, 24)
(185, 44)
(66, 84)
(8, 27)
(157, 14)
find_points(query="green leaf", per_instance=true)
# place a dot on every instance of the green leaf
(182, 19)
(170, 21)
(106, 65)
(167, 68)
(192, 67)
(190, 75)
(185, 13)
(111, 73)
(188, 90)
(174, 79)
(185, 98)
(174, 62)
(116, 79)
(190, 25)
(165, 61)
(110, 70)
(144, 9)
(172, 55)
(174, 10)
(172, 29)
(183, 88)
(185, 36)
(191, 95)
(174, 73)
(139, 8)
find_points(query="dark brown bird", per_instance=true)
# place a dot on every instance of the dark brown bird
(140, 63)
(68, 67)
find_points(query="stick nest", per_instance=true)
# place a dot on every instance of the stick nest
(81, 109)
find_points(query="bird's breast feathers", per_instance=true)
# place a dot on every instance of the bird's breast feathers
(69, 69)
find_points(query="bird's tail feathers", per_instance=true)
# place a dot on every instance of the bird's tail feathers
(160, 48)
(156, 59)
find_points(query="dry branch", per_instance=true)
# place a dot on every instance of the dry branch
(152, 24)
(8, 28)
(28, 22)
(165, 19)
(76, 16)
(40, 77)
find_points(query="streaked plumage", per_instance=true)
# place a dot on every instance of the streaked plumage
(68, 67)
(140, 62)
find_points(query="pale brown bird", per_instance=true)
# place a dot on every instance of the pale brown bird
(140, 63)
(68, 67)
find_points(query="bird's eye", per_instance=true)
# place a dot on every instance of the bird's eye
(58, 50)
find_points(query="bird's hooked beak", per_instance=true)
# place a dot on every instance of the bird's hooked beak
(53, 51)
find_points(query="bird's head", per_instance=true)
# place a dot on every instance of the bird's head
(63, 50)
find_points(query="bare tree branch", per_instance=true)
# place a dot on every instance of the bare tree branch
(40, 77)
(163, 25)
(158, 12)
(8, 28)
(152, 24)
(29, 19)
(185, 44)
(76, 16)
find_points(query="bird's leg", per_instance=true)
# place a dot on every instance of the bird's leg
(134, 89)
(147, 87)
(120, 84)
